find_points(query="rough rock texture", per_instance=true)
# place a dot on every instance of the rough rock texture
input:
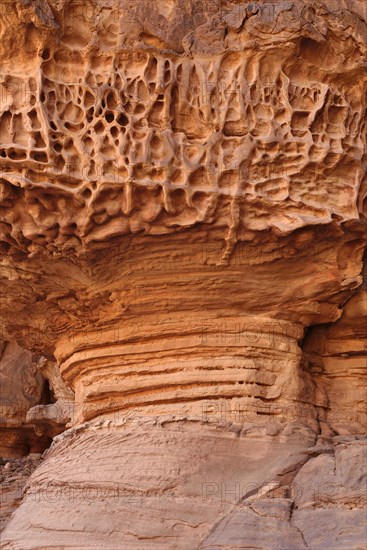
(14, 473)
(35, 404)
(183, 195)
(142, 484)
(338, 356)
(50, 419)
(21, 387)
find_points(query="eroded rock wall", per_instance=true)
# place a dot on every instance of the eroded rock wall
(21, 388)
(183, 197)
(338, 358)
(109, 129)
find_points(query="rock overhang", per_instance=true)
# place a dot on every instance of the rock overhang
(183, 194)
(101, 140)
(219, 166)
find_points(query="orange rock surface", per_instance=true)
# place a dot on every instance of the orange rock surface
(183, 223)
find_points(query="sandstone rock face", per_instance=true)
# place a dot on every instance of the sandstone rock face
(35, 404)
(337, 354)
(51, 418)
(183, 201)
(21, 388)
(14, 473)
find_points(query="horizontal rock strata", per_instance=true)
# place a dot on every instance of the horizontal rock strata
(183, 224)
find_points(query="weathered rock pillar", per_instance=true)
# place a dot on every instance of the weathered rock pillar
(183, 197)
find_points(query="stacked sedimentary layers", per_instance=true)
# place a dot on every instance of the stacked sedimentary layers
(183, 195)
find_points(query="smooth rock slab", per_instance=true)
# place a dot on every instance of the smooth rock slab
(148, 486)
(332, 529)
